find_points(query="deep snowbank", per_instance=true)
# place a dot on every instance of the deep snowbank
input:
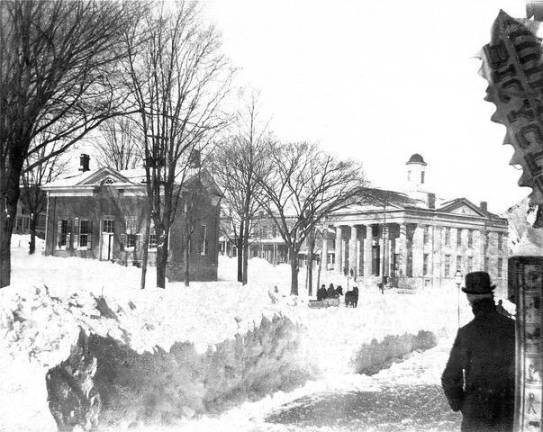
(373, 357)
(52, 298)
(106, 383)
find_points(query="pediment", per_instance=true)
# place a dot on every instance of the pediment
(465, 210)
(104, 176)
(463, 207)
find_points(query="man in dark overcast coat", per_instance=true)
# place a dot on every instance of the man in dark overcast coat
(479, 379)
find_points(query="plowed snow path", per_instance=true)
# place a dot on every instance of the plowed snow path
(405, 397)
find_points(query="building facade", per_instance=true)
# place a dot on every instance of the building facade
(102, 215)
(416, 240)
(410, 239)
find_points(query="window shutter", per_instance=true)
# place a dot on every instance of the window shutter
(68, 234)
(89, 236)
(59, 232)
(123, 241)
(77, 227)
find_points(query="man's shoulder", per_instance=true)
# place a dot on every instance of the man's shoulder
(495, 319)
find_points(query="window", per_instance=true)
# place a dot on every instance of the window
(470, 264)
(131, 225)
(447, 236)
(204, 247)
(500, 241)
(263, 231)
(486, 264)
(500, 267)
(408, 175)
(131, 241)
(426, 234)
(63, 233)
(84, 233)
(458, 237)
(422, 177)
(458, 262)
(470, 238)
(107, 226)
(425, 264)
(447, 265)
(274, 231)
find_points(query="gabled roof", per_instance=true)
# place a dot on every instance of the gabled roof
(88, 178)
(125, 178)
(465, 206)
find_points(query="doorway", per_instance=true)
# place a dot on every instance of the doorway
(108, 241)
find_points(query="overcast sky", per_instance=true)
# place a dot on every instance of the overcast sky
(377, 81)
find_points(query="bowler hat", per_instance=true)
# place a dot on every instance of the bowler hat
(478, 283)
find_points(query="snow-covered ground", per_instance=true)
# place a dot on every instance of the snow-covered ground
(50, 298)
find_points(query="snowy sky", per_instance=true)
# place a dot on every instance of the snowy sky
(377, 81)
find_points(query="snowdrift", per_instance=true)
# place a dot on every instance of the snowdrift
(121, 356)
(107, 384)
(373, 357)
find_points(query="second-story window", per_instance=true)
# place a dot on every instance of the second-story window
(447, 236)
(458, 237)
(470, 238)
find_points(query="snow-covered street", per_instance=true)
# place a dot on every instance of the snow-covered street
(41, 324)
(405, 397)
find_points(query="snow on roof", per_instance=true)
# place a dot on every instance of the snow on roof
(71, 179)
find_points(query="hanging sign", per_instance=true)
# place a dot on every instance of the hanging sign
(512, 64)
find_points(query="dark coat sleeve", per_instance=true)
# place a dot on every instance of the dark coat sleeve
(452, 379)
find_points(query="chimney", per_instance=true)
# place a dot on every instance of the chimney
(483, 205)
(84, 160)
(431, 200)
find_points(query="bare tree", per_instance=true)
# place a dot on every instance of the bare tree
(120, 147)
(33, 197)
(57, 71)
(305, 185)
(238, 164)
(178, 79)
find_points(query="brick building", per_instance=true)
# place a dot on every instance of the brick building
(100, 214)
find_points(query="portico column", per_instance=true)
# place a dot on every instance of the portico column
(402, 250)
(384, 251)
(353, 243)
(418, 248)
(368, 245)
(338, 264)
(324, 249)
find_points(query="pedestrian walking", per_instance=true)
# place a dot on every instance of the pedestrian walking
(479, 377)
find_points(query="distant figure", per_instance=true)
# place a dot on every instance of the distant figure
(274, 295)
(351, 297)
(331, 291)
(501, 310)
(321, 293)
(339, 291)
(479, 379)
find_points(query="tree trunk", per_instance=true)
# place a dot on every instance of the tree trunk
(239, 247)
(161, 260)
(187, 258)
(9, 196)
(145, 252)
(33, 223)
(310, 264)
(5, 251)
(293, 271)
(245, 252)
